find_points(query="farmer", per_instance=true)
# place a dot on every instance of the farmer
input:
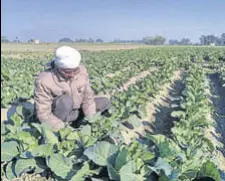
(63, 94)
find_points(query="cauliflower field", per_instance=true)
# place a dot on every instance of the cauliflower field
(166, 123)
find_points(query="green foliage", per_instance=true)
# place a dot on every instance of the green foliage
(85, 152)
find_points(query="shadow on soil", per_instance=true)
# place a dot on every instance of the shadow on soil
(218, 100)
(163, 121)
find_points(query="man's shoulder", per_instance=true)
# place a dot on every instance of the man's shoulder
(83, 70)
(44, 77)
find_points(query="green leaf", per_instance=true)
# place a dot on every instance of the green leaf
(10, 171)
(121, 159)
(9, 150)
(209, 169)
(19, 110)
(41, 165)
(113, 174)
(100, 152)
(42, 150)
(73, 136)
(60, 165)
(24, 165)
(129, 167)
(127, 172)
(178, 114)
(26, 137)
(131, 177)
(94, 118)
(65, 132)
(86, 130)
(49, 136)
(3, 129)
(17, 120)
(148, 156)
(162, 164)
(167, 148)
(80, 174)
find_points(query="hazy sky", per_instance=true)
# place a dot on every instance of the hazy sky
(50, 20)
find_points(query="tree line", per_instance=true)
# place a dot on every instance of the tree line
(149, 40)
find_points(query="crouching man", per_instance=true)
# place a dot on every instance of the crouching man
(63, 95)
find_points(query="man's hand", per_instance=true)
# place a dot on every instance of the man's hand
(58, 125)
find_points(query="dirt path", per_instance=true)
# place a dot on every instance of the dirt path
(218, 99)
(158, 120)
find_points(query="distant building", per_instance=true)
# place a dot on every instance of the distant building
(34, 41)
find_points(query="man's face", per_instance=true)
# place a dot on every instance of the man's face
(68, 73)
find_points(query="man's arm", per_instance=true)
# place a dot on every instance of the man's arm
(88, 103)
(43, 104)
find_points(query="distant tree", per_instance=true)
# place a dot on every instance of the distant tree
(4, 39)
(90, 40)
(157, 40)
(203, 40)
(17, 40)
(99, 40)
(185, 41)
(66, 39)
(173, 42)
(209, 39)
(222, 39)
(81, 40)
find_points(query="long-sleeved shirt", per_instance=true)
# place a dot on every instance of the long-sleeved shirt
(49, 85)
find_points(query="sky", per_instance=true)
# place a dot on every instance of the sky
(50, 20)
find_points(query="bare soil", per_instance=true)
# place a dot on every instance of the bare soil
(159, 109)
(50, 47)
(158, 120)
(218, 99)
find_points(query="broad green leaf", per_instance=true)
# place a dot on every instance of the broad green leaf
(26, 137)
(100, 152)
(131, 177)
(121, 159)
(209, 169)
(113, 173)
(167, 148)
(42, 150)
(162, 164)
(148, 156)
(145, 171)
(9, 150)
(24, 165)
(19, 110)
(127, 172)
(80, 174)
(49, 136)
(60, 165)
(4, 129)
(65, 131)
(86, 130)
(94, 118)
(73, 136)
(129, 167)
(10, 171)
(41, 165)
(17, 120)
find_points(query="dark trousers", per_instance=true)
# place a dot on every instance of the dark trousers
(63, 109)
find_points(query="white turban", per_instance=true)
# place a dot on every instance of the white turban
(67, 57)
